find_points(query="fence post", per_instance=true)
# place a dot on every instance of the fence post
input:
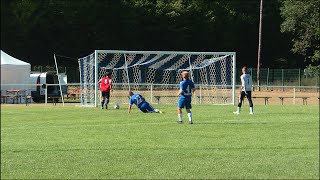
(299, 79)
(46, 95)
(268, 79)
(294, 96)
(200, 95)
(317, 81)
(282, 81)
(151, 93)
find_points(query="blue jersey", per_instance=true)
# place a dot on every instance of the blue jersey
(137, 99)
(186, 87)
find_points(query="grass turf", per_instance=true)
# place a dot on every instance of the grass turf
(278, 142)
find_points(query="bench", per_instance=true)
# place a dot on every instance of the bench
(158, 98)
(4, 98)
(305, 99)
(74, 93)
(28, 98)
(119, 96)
(55, 99)
(199, 97)
(266, 99)
(15, 95)
(221, 97)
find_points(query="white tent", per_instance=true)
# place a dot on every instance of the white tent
(15, 74)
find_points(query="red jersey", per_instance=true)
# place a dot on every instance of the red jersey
(105, 84)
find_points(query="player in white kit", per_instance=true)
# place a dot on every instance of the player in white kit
(246, 86)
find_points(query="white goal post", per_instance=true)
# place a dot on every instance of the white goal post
(156, 75)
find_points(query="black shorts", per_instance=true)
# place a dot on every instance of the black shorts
(105, 94)
(243, 94)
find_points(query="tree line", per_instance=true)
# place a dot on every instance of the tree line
(34, 30)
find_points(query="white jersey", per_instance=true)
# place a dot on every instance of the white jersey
(246, 82)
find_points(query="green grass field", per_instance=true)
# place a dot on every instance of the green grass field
(278, 142)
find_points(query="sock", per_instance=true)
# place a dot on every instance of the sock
(102, 103)
(251, 109)
(239, 108)
(180, 117)
(190, 117)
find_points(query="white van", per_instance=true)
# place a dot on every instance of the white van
(43, 81)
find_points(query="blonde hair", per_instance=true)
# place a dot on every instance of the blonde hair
(185, 74)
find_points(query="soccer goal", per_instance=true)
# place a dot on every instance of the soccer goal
(156, 75)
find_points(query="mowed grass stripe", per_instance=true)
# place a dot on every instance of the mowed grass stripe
(89, 143)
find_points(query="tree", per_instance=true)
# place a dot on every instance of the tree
(33, 30)
(301, 20)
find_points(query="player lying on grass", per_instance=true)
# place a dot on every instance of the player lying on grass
(141, 103)
(246, 86)
(185, 93)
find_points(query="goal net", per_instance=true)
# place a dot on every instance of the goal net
(156, 75)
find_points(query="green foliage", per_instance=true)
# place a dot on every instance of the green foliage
(316, 56)
(313, 71)
(33, 30)
(301, 19)
(52, 142)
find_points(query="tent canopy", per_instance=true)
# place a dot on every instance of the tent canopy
(7, 59)
(14, 71)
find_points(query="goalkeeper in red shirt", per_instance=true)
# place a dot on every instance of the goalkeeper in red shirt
(105, 87)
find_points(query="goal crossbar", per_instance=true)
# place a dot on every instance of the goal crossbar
(164, 52)
(133, 68)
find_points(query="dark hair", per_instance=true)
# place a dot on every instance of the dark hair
(107, 74)
(130, 93)
(245, 68)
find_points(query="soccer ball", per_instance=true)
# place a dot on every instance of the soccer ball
(116, 106)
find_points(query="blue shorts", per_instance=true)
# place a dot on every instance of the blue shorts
(146, 107)
(183, 102)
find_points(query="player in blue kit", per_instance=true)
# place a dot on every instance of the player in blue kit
(141, 103)
(185, 93)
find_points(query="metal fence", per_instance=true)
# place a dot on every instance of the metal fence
(156, 94)
(283, 77)
(268, 77)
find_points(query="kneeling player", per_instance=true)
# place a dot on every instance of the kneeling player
(141, 103)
